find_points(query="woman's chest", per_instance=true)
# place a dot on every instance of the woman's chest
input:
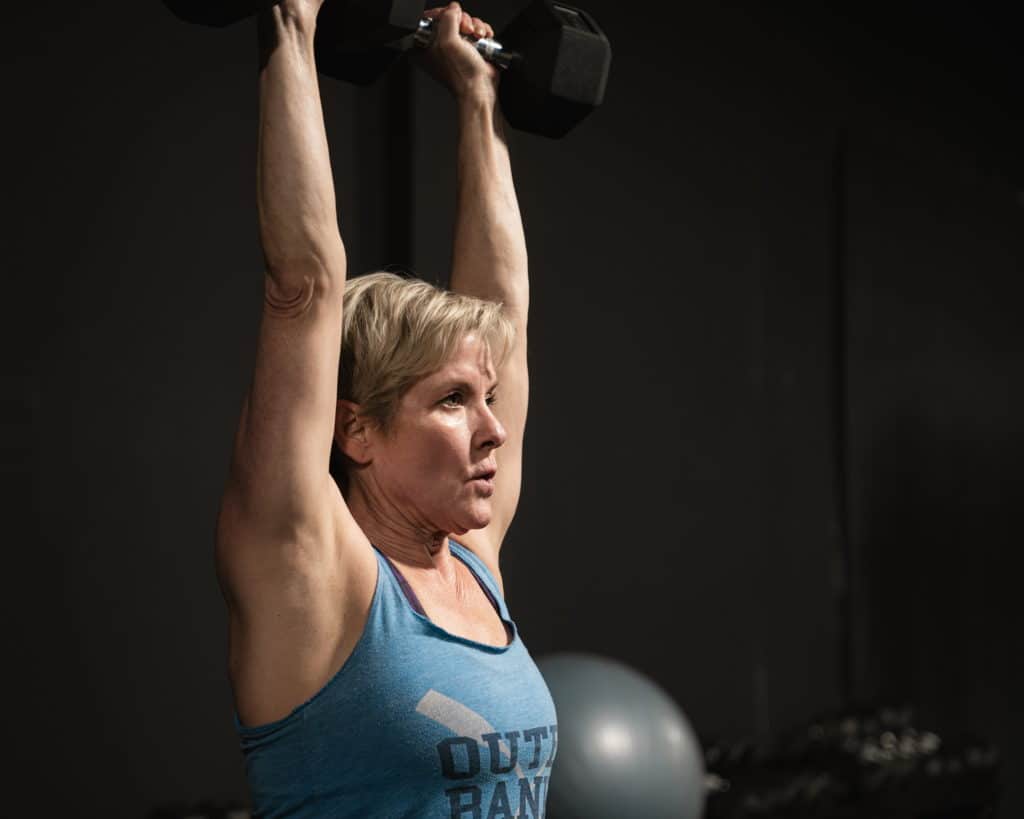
(470, 615)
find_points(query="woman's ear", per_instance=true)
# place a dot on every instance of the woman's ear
(351, 432)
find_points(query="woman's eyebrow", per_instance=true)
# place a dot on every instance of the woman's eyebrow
(459, 384)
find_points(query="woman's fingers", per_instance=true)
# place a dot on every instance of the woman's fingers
(468, 24)
(479, 27)
(482, 28)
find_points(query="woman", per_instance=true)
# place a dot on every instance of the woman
(375, 667)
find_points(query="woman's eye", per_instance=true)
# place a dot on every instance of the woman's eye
(457, 398)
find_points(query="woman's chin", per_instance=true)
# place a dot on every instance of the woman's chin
(477, 516)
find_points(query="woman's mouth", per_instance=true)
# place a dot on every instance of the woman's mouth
(484, 484)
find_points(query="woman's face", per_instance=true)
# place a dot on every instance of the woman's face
(443, 436)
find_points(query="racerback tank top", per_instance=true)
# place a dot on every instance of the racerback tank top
(417, 723)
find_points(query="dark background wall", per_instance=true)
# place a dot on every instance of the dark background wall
(774, 355)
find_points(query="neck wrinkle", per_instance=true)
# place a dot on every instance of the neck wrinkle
(413, 546)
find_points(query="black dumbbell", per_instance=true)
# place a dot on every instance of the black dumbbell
(562, 71)
(556, 57)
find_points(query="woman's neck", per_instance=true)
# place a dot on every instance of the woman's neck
(399, 537)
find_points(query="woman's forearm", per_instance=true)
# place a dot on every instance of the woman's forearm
(295, 192)
(489, 255)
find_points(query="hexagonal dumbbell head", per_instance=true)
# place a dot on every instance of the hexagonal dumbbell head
(562, 70)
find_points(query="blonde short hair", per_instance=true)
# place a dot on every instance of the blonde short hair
(395, 331)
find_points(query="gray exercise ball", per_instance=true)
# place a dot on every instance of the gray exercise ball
(625, 749)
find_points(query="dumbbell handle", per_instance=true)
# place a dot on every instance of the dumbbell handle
(490, 50)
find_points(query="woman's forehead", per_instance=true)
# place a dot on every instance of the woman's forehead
(462, 373)
(470, 363)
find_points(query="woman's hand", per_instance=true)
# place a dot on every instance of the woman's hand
(454, 62)
(303, 12)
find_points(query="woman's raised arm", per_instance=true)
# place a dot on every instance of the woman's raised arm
(279, 481)
(489, 258)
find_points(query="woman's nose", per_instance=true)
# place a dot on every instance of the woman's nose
(492, 431)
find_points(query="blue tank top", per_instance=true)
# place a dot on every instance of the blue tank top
(417, 723)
